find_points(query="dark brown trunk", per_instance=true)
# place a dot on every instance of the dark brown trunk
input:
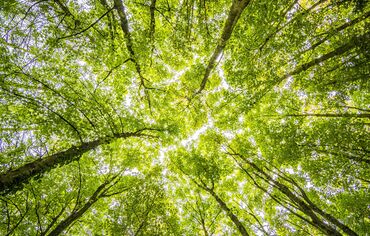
(152, 21)
(129, 44)
(15, 179)
(70, 219)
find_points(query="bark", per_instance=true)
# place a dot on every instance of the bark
(229, 213)
(354, 42)
(124, 25)
(54, 220)
(89, 27)
(129, 43)
(221, 203)
(152, 21)
(236, 10)
(204, 227)
(15, 179)
(338, 29)
(305, 205)
(63, 225)
(152, 26)
(200, 210)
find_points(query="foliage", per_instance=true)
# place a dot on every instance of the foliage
(187, 117)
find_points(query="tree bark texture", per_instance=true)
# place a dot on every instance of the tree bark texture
(14, 180)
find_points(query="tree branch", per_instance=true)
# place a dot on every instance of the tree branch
(86, 29)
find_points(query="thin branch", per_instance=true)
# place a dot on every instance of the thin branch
(86, 29)
(110, 72)
(39, 104)
(279, 28)
(64, 8)
(330, 33)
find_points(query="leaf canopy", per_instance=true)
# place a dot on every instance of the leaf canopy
(165, 117)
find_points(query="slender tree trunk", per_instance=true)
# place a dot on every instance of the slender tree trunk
(228, 211)
(126, 32)
(64, 224)
(221, 203)
(354, 42)
(236, 10)
(152, 21)
(72, 218)
(152, 28)
(305, 205)
(204, 228)
(334, 31)
(15, 179)
(118, 4)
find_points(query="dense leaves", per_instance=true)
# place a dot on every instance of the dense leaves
(165, 117)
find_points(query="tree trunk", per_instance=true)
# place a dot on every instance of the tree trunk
(236, 10)
(63, 225)
(354, 42)
(126, 32)
(350, 156)
(305, 205)
(228, 211)
(334, 31)
(15, 179)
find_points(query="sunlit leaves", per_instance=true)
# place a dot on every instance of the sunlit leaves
(287, 101)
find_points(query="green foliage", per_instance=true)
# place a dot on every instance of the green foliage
(281, 126)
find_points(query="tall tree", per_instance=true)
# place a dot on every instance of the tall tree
(224, 117)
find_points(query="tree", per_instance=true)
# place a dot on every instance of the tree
(188, 117)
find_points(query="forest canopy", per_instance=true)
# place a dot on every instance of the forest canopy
(190, 117)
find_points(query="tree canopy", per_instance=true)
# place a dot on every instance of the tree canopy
(163, 117)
